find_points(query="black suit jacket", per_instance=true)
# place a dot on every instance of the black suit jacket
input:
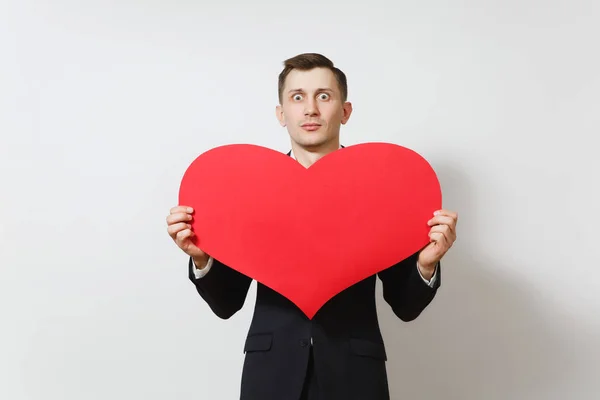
(348, 349)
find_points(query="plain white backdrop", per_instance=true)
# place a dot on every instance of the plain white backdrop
(103, 105)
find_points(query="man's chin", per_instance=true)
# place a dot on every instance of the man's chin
(315, 141)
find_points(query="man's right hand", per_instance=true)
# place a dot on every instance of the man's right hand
(180, 230)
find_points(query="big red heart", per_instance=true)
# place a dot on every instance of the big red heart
(311, 233)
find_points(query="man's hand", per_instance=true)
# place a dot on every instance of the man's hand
(181, 232)
(442, 236)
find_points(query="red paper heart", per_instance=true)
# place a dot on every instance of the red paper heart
(311, 233)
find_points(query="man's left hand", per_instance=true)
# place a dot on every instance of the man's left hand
(442, 236)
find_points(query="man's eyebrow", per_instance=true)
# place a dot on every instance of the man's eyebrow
(318, 90)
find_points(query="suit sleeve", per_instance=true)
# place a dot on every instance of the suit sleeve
(223, 289)
(404, 289)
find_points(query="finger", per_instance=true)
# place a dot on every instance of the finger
(179, 217)
(183, 235)
(446, 213)
(181, 209)
(442, 221)
(176, 228)
(445, 229)
(437, 237)
(440, 244)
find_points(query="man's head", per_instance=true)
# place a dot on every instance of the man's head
(312, 101)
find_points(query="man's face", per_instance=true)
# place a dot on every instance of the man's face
(312, 108)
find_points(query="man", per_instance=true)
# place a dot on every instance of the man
(340, 353)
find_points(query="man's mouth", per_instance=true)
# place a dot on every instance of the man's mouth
(311, 127)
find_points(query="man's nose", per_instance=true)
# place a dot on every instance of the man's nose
(311, 108)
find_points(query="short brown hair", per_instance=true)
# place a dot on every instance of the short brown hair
(308, 61)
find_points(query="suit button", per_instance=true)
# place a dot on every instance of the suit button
(303, 342)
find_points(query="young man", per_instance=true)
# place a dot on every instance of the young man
(340, 353)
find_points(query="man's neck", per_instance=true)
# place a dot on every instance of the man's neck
(307, 156)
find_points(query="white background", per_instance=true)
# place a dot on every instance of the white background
(104, 104)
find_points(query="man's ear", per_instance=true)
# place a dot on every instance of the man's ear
(347, 111)
(279, 115)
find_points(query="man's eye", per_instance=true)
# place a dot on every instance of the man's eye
(297, 97)
(324, 96)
